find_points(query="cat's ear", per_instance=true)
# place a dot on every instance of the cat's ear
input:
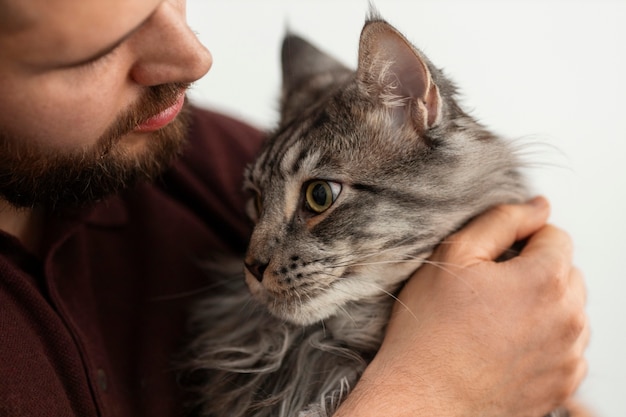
(302, 61)
(307, 72)
(396, 73)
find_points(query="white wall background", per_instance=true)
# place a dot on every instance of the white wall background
(539, 71)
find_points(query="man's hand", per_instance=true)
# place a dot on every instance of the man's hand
(475, 337)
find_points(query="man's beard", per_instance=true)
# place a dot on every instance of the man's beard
(34, 176)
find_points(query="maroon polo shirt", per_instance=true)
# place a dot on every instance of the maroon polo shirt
(92, 327)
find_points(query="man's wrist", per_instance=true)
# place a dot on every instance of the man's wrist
(387, 391)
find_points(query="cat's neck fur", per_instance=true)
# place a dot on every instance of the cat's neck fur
(361, 325)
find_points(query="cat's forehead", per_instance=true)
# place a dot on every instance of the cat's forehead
(344, 137)
(308, 143)
(289, 155)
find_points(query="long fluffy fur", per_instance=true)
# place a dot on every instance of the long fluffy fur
(249, 363)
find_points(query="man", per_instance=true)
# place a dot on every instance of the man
(98, 266)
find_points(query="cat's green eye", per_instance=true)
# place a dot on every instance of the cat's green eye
(320, 195)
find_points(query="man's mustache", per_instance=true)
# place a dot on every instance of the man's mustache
(155, 100)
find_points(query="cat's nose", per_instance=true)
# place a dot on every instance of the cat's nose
(256, 268)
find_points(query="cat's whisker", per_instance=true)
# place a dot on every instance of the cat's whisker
(529, 153)
(323, 323)
(388, 262)
(300, 299)
(328, 274)
(397, 300)
(250, 306)
(445, 266)
(191, 293)
(381, 290)
(347, 314)
(352, 262)
(374, 253)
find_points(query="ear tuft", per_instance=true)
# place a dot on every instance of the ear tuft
(373, 14)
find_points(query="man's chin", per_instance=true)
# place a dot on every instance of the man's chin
(66, 181)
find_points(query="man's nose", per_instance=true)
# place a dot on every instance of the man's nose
(167, 50)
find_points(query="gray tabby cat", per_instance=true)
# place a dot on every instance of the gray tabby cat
(366, 173)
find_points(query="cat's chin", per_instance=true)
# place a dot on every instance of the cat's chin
(313, 307)
(300, 316)
(302, 313)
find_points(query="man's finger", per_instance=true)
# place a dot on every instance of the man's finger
(547, 257)
(489, 235)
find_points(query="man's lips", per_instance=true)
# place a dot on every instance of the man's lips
(162, 119)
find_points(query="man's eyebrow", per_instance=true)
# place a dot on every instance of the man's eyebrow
(110, 48)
